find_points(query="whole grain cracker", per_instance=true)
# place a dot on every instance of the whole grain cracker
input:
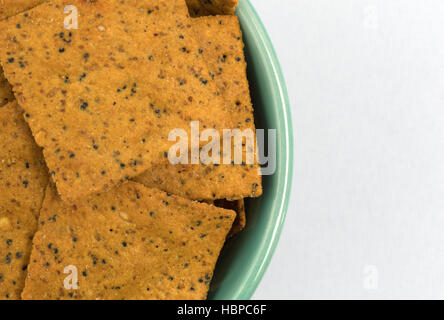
(220, 38)
(130, 243)
(101, 100)
(198, 8)
(23, 179)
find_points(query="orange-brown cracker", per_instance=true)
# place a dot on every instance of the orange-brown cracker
(220, 38)
(130, 243)
(23, 179)
(102, 99)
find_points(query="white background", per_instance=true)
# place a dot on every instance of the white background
(366, 83)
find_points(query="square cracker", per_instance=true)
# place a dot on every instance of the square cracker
(23, 179)
(198, 8)
(220, 38)
(130, 243)
(102, 100)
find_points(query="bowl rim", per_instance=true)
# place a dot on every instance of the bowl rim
(266, 248)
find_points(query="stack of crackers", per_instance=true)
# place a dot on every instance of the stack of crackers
(90, 205)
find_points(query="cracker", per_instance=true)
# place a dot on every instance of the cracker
(23, 179)
(198, 8)
(241, 219)
(101, 100)
(130, 243)
(221, 40)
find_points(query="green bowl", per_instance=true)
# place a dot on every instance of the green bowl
(246, 257)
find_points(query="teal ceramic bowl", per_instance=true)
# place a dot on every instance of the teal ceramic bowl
(246, 257)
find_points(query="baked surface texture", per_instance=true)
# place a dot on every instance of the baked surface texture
(130, 243)
(23, 179)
